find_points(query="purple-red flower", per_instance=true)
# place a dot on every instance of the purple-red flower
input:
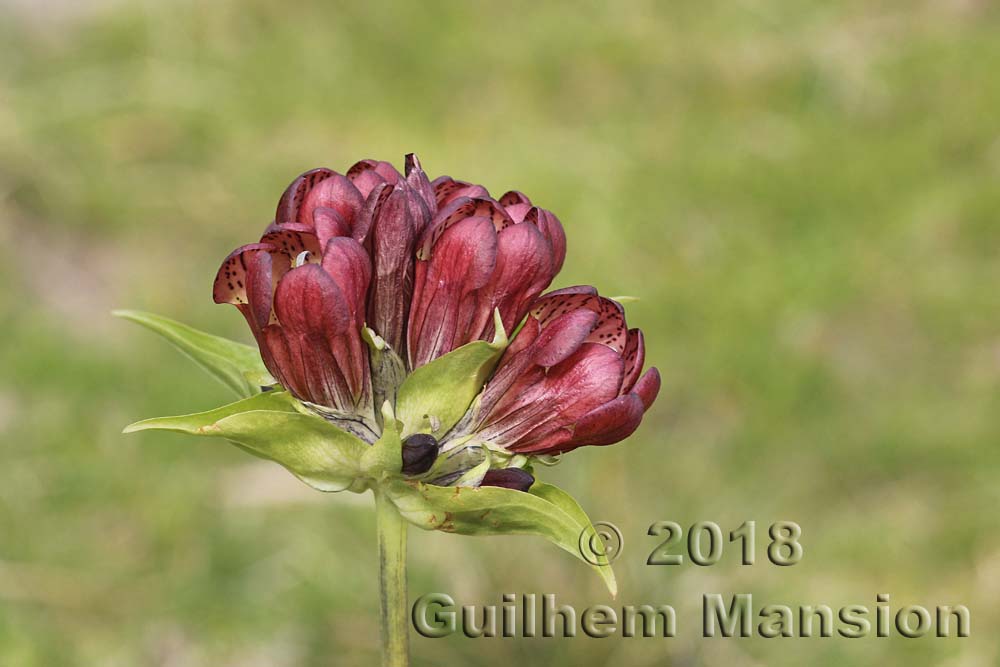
(570, 378)
(424, 265)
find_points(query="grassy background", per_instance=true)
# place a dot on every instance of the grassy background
(804, 195)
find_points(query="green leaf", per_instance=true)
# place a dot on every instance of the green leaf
(568, 504)
(275, 401)
(385, 457)
(236, 365)
(435, 396)
(270, 426)
(545, 511)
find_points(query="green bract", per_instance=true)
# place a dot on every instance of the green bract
(235, 365)
(435, 396)
(545, 510)
(270, 426)
(384, 458)
(276, 426)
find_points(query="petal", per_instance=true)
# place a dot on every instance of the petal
(610, 329)
(518, 212)
(329, 224)
(309, 369)
(420, 211)
(605, 425)
(259, 288)
(363, 223)
(575, 289)
(309, 302)
(562, 337)
(523, 270)
(366, 174)
(512, 197)
(388, 172)
(366, 181)
(456, 211)
(539, 403)
(287, 365)
(392, 238)
(246, 279)
(460, 262)
(291, 200)
(559, 302)
(588, 377)
(612, 422)
(417, 180)
(635, 357)
(537, 347)
(381, 167)
(335, 192)
(272, 227)
(231, 279)
(291, 240)
(347, 262)
(648, 387)
(490, 208)
(447, 189)
(522, 340)
(552, 229)
(309, 345)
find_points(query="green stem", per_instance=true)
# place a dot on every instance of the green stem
(392, 583)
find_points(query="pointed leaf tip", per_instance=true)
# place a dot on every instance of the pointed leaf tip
(229, 362)
(385, 456)
(268, 425)
(387, 412)
(500, 339)
(544, 510)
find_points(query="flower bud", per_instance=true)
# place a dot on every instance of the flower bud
(420, 450)
(509, 478)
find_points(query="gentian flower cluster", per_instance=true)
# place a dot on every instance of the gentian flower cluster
(364, 277)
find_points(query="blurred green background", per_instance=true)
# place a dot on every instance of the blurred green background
(804, 196)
